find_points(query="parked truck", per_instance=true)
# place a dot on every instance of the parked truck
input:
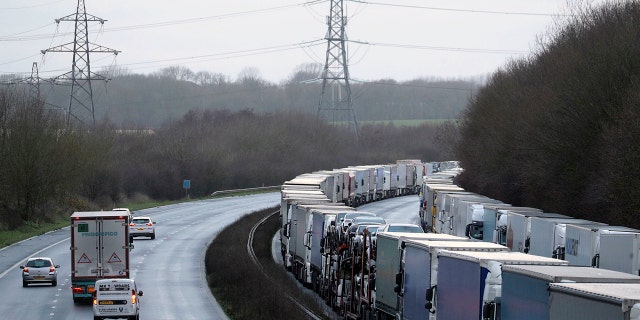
(594, 301)
(469, 283)
(584, 246)
(389, 255)
(418, 273)
(517, 233)
(100, 246)
(548, 235)
(533, 303)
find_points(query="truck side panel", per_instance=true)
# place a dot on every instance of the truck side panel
(524, 298)
(388, 264)
(417, 280)
(570, 307)
(460, 287)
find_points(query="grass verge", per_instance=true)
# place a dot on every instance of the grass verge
(242, 290)
(27, 231)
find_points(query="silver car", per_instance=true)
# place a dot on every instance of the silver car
(39, 270)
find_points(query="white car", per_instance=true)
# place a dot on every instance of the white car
(115, 299)
(401, 227)
(142, 226)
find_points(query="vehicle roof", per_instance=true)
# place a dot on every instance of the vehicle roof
(572, 273)
(142, 217)
(626, 294)
(36, 258)
(503, 257)
(116, 280)
(426, 236)
(455, 245)
(95, 214)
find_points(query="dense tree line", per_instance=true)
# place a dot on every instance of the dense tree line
(48, 170)
(151, 99)
(561, 130)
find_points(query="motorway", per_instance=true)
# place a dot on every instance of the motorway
(169, 270)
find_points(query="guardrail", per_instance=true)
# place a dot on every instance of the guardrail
(237, 191)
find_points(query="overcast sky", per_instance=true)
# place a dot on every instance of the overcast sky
(389, 39)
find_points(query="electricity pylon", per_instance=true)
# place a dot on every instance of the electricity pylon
(81, 98)
(34, 84)
(335, 103)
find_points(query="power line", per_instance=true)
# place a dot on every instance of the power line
(461, 10)
(15, 37)
(409, 46)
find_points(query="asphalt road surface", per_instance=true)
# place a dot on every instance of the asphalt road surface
(169, 270)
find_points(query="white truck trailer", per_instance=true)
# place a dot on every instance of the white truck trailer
(525, 288)
(100, 246)
(469, 283)
(419, 273)
(594, 301)
(517, 233)
(584, 246)
(548, 235)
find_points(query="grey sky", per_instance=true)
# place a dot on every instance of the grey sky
(397, 39)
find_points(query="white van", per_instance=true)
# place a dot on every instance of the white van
(116, 298)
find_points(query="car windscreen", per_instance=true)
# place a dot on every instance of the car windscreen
(39, 263)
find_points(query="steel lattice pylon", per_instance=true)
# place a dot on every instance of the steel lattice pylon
(335, 100)
(80, 77)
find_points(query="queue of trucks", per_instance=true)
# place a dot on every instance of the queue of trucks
(479, 258)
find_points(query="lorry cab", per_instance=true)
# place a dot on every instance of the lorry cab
(116, 298)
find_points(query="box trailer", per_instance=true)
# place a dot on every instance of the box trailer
(583, 246)
(388, 256)
(548, 235)
(428, 211)
(443, 222)
(469, 283)
(620, 251)
(495, 220)
(525, 288)
(100, 247)
(594, 301)
(517, 233)
(462, 212)
(419, 273)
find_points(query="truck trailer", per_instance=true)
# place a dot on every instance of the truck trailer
(594, 301)
(389, 255)
(418, 273)
(100, 246)
(525, 288)
(469, 283)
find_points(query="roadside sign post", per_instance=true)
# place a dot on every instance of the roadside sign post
(186, 185)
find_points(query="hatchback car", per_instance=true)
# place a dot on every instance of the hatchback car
(39, 270)
(142, 226)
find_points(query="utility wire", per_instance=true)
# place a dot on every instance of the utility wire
(408, 46)
(460, 10)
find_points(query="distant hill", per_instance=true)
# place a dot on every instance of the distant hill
(149, 100)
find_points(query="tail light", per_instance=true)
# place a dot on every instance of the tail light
(132, 224)
(77, 290)
(150, 224)
(52, 269)
(133, 297)
(26, 270)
